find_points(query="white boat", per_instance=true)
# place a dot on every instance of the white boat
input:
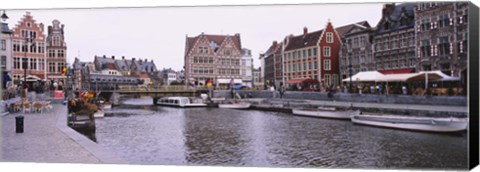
(106, 106)
(326, 113)
(180, 102)
(412, 123)
(99, 114)
(241, 105)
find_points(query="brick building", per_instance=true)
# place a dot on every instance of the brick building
(314, 55)
(29, 49)
(394, 38)
(442, 36)
(56, 51)
(215, 57)
(273, 64)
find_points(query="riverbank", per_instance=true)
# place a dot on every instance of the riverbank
(286, 105)
(47, 138)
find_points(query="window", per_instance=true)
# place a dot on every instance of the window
(309, 65)
(427, 67)
(445, 66)
(425, 25)
(334, 79)
(33, 48)
(4, 62)
(60, 67)
(315, 65)
(314, 52)
(327, 80)
(16, 63)
(355, 42)
(33, 64)
(425, 48)
(203, 50)
(227, 52)
(61, 53)
(327, 65)
(326, 51)
(41, 48)
(443, 45)
(41, 64)
(309, 52)
(51, 53)
(304, 53)
(51, 67)
(305, 66)
(329, 37)
(293, 56)
(443, 20)
(56, 41)
(24, 48)
(4, 44)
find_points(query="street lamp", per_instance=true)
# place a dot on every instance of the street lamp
(350, 74)
(25, 59)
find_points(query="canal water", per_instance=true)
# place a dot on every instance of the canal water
(145, 134)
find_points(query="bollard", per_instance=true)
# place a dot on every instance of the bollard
(19, 124)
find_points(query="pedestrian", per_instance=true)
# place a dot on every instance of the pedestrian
(404, 90)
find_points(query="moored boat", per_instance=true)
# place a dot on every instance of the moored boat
(99, 114)
(240, 105)
(180, 102)
(429, 124)
(326, 113)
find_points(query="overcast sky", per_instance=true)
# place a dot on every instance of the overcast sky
(159, 33)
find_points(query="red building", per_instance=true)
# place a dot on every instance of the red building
(314, 55)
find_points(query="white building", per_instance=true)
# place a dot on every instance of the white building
(5, 50)
(246, 67)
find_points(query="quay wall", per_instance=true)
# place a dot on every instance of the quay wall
(365, 98)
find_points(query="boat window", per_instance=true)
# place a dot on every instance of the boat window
(176, 101)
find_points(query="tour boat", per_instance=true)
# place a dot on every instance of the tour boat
(326, 112)
(235, 105)
(99, 114)
(430, 124)
(180, 102)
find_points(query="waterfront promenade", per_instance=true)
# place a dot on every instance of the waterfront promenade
(47, 138)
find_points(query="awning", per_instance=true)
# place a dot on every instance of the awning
(6, 77)
(227, 81)
(301, 80)
(368, 76)
(397, 71)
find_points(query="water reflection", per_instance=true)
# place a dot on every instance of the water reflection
(209, 136)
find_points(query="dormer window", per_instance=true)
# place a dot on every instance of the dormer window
(386, 25)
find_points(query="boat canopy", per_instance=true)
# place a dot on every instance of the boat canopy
(374, 76)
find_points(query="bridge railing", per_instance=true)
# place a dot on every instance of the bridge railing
(176, 88)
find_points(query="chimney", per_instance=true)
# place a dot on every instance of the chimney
(133, 58)
(151, 61)
(113, 57)
(305, 30)
(41, 27)
(104, 56)
(145, 60)
(123, 57)
(274, 43)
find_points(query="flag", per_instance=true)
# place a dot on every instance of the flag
(64, 70)
(209, 83)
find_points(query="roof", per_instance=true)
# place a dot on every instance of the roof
(217, 39)
(111, 66)
(311, 39)
(404, 10)
(368, 76)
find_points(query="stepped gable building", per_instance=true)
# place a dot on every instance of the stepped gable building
(394, 39)
(357, 50)
(214, 57)
(442, 36)
(314, 55)
(56, 51)
(29, 49)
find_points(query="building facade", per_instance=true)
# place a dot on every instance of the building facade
(314, 55)
(357, 54)
(56, 51)
(442, 36)
(29, 49)
(214, 57)
(394, 38)
(257, 78)
(246, 66)
(6, 55)
(273, 65)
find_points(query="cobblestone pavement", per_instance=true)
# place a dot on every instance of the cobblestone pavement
(41, 141)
